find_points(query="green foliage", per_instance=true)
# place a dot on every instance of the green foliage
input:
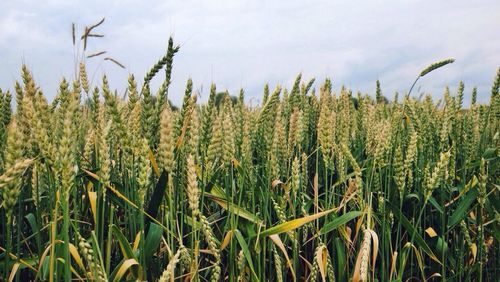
(310, 184)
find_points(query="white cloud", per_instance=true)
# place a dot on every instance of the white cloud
(248, 43)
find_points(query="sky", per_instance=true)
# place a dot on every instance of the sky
(246, 44)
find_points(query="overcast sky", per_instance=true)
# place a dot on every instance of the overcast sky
(248, 43)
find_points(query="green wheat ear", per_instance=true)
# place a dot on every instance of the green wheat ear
(430, 68)
(436, 65)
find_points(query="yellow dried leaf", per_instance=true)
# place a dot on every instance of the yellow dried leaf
(393, 264)
(93, 204)
(227, 239)
(277, 241)
(473, 250)
(375, 248)
(137, 241)
(13, 272)
(76, 256)
(321, 258)
(430, 231)
(154, 164)
(276, 182)
(123, 268)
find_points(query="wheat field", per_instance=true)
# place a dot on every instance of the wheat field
(310, 185)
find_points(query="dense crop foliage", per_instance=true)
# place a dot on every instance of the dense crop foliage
(310, 185)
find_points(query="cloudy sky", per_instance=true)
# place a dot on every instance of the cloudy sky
(248, 43)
